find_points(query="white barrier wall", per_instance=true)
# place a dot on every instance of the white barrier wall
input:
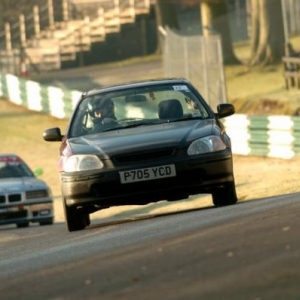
(272, 136)
(54, 101)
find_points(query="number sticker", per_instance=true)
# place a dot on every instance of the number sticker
(180, 88)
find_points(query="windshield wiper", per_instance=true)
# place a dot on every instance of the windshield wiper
(139, 123)
(187, 118)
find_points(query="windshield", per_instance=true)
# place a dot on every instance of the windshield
(14, 170)
(137, 107)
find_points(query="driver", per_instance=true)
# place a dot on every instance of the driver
(102, 111)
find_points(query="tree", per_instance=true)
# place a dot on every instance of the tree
(214, 16)
(267, 34)
(166, 16)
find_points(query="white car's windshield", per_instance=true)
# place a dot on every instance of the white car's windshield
(137, 107)
(14, 170)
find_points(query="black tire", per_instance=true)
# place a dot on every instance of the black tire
(46, 222)
(74, 218)
(225, 195)
(87, 220)
(22, 225)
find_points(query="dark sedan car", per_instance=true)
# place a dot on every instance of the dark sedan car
(142, 142)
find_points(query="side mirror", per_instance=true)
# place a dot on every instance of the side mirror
(38, 172)
(53, 135)
(225, 110)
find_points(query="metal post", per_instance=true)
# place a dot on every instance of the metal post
(22, 31)
(204, 69)
(36, 20)
(144, 36)
(65, 6)
(186, 58)
(285, 26)
(50, 14)
(8, 37)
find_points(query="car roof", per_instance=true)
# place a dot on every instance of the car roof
(10, 157)
(136, 84)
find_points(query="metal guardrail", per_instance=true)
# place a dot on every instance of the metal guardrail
(50, 100)
(269, 136)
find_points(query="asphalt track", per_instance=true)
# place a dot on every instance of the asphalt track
(96, 76)
(245, 251)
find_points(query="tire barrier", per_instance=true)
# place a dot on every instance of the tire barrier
(270, 136)
(54, 101)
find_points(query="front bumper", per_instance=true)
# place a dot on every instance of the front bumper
(195, 175)
(21, 212)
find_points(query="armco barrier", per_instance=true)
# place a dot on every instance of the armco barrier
(272, 136)
(51, 100)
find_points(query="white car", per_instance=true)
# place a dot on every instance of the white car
(23, 197)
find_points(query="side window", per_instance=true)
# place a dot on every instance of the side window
(81, 121)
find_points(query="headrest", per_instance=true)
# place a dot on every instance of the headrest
(170, 109)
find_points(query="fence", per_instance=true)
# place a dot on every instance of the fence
(198, 59)
(270, 136)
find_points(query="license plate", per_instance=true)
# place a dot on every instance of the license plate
(8, 210)
(148, 174)
(13, 209)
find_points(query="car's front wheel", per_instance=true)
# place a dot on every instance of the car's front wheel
(87, 220)
(75, 219)
(225, 194)
(22, 225)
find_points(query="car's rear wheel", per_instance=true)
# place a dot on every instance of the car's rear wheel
(46, 222)
(225, 194)
(75, 219)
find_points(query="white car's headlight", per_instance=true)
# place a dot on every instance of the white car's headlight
(207, 144)
(77, 163)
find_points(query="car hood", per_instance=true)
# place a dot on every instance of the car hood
(21, 184)
(143, 138)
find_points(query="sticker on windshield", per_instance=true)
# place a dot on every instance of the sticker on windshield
(180, 88)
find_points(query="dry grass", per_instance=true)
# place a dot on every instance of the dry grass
(21, 133)
(260, 91)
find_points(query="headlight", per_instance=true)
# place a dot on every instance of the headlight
(77, 163)
(207, 144)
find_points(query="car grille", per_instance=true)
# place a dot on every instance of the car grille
(14, 198)
(10, 198)
(13, 215)
(144, 156)
(36, 194)
(29, 195)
